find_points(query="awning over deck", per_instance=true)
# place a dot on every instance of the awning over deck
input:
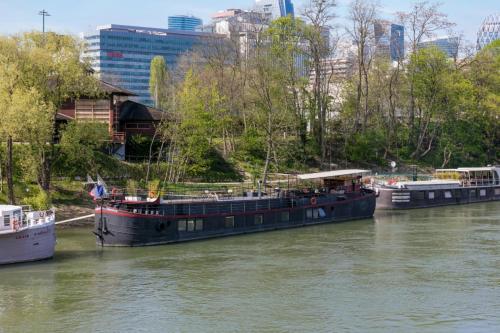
(333, 174)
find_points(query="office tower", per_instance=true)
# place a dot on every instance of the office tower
(184, 23)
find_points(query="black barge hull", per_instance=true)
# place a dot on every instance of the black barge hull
(156, 224)
(409, 199)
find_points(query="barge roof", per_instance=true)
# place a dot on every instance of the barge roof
(334, 173)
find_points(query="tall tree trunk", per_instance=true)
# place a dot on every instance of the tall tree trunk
(10, 172)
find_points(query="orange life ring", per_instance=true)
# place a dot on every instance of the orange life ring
(314, 201)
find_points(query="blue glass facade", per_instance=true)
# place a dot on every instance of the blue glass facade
(184, 23)
(121, 55)
(448, 45)
(274, 9)
(397, 42)
(389, 40)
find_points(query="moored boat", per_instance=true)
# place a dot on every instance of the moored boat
(449, 187)
(26, 235)
(135, 221)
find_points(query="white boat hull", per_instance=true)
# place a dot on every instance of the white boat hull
(29, 244)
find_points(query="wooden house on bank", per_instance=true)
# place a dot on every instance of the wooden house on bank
(124, 117)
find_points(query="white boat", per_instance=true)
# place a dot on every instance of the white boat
(26, 235)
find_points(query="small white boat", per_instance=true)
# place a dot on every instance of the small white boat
(26, 235)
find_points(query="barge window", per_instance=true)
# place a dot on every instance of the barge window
(190, 225)
(316, 213)
(497, 191)
(482, 193)
(6, 221)
(431, 195)
(448, 195)
(181, 225)
(258, 219)
(229, 221)
(285, 216)
(199, 225)
(309, 213)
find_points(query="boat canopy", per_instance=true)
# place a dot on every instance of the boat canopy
(333, 174)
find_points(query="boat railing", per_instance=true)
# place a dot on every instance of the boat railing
(235, 205)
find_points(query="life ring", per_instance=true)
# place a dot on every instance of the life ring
(392, 181)
(152, 194)
(314, 201)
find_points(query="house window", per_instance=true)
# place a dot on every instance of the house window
(143, 126)
(431, 195)
(285, 216)
(190, 225)
(258, 219)
(6, 221)
(448, 195)
(199, 225)
(181, 225)
(229, 222)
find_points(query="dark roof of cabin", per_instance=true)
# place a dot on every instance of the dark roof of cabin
(133, 111)
(112, 89)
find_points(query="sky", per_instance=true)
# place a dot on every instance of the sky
(77, 16)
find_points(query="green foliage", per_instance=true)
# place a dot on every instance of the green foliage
(80, 148)
(132, 187)
(40, 200)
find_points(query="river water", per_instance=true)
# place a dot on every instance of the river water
(431, 270)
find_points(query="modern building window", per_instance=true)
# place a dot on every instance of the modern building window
(181, 225)
(431, 195)
(229, 221)
(285, 216)
(6, 221)
(448, 195)
(258, 219)
(190, 225)
(199, 225)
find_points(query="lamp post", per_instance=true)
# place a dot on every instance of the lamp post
(43, 13)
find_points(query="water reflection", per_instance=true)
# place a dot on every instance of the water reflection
(423, 270)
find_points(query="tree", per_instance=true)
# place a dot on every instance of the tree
(422, 21)
(159, 82)
(319, 14)
(363, 15)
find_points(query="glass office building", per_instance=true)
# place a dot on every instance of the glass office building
(489, 31)
(274, 9)
(389, 40)
(121, 54)
(448, 45)
(184, 23)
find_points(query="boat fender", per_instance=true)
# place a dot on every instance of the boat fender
(160, 226)
(314, 201)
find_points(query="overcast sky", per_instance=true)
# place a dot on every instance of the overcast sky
(83, 16)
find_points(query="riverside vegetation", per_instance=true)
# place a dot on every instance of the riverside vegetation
(230, 116)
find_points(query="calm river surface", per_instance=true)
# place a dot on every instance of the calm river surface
(433, 270)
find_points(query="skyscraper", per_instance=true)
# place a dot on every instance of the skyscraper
(184, 23)
(389, 40)
(489, 31)
(274, 9)
(122, 54)
(449, 45)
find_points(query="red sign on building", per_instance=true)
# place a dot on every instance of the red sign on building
(115, 54)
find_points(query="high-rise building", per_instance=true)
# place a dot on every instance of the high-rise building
(274, 9)
(449, 45)
(122, 54)
(184, 23)
(489, 31)
(389, 40)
